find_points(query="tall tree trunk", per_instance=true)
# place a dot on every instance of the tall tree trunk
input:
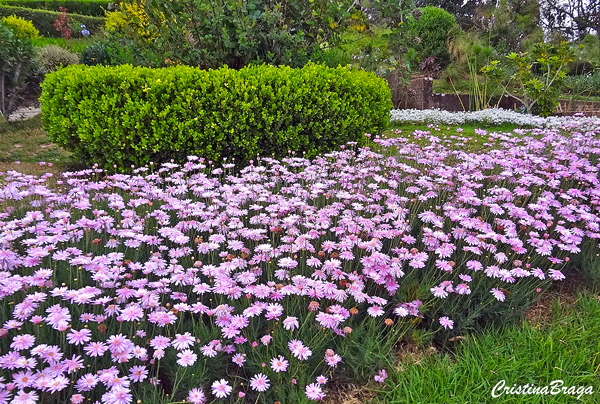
(16, 90)
(2, 94)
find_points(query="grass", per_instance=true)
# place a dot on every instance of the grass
(28, 144)
(76, 45)
(567, 348)
(475, 141)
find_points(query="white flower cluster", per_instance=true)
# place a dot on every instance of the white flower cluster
(492, 116)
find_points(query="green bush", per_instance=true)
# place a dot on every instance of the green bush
(211, 34)
(44, 20)
(52, 57)
(85, 7)
(114, 51)
(21, 27)
(132, 115)
(432, 31)
(583, 85)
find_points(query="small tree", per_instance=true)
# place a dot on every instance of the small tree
(534, 78)
(16, 56)
(63, 24)
(432, 31)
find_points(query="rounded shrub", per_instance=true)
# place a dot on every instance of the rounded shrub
(122, 116)
(52, 57)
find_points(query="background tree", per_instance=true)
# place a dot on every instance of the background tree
(16, 61)
(574, 19)
(431, 32)
(463, 10)
(535, 78)
(507, 25)
(212, 33)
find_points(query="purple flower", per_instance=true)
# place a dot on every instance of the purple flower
(446, 322)
(381, 376)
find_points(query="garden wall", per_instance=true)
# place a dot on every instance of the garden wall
(568, 107)
(418, 94)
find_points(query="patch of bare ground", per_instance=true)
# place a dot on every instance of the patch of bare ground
(350, 393)
(540, 313)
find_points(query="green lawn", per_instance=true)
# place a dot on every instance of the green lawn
(452, 136)
(76, 45)
(28, 144)
(567, 348)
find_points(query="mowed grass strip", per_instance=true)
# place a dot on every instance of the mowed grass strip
(468, 137)
(566, 348)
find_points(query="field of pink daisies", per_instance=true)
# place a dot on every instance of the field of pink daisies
(195, 284)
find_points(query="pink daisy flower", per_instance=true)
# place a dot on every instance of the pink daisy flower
(498, 294)
(446, 322)
(22, 342)
(186, 358)
(196, 396)
(279, 364)
(221, 388)
(259, 382)
(314, 392)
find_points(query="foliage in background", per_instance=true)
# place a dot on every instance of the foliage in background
(572, 19)
(130, 20)
(63, 24)
(372, 50)
(481, 93)
(53, 57)
(16, 57)
(586, 58)
(583, 85)
(22, 28)
(535, 78)
(44, 20)
(211, 34)
(114, 51)
(94, 8)
(462, 10)
(509, 25)
(126, 115)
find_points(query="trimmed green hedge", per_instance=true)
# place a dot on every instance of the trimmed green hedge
(44, 20)
(128, 115)
(87, 7)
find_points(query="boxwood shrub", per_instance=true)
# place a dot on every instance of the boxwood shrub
(44, 19)
(122, 116)
(82, 7)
